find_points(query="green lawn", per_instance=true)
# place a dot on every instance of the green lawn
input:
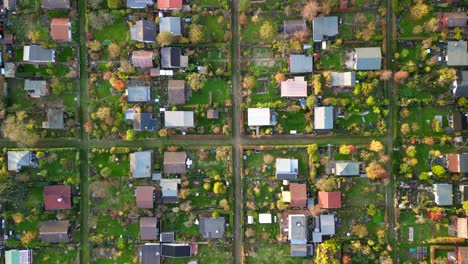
(212, 2)
(423, 118)
(422, 155)
(29, 70)
(56, 255)
(331, 60)
(213, 29)
(117, 31)
(57, 166)
(119, 168)
(250, 34)
(217, 89)
(407, 24)
(255, 161)
(278, 253)
(64, 54)
(207, 254)
(292, 121)
(422, 232)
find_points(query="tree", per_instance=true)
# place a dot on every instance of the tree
(446, 76)
(315, 210)
(424, 176)
(310, 10)
(419, 10)
(317, 83)
(431, 26)
(280, 77)
(114, 50)
(196, 33)
(400, 76)
(196, 81)
(243, 19)
(162, 132)
(405, 128)
(376, 146)
(435, 213)
(418, 29)
(94, 4)
(385, 75)
(458, 33)
(207, 186)
(121, 243)
(438, 170)
(114, 4)
(462, 101)
(28, 237)
(345, 149)
(375, 171)
(215, 214)
(327, 184)
(219, 188)
(302, 35)
(100, 19)
(165, 38)
(130, 135)
(249, 82)
(268, 159)
(224, 204)
(126, 67)
(94, 46)
(244, 4)
(119, 85)
(105, 172)
(347, 259)
(326, 252)
(34, 36)
(11, 190)
(18, 218)
(249, 232)
(104, 113)
(371, 210)
(310, 102)
(267, 30)
(359, 230)
(16, 129)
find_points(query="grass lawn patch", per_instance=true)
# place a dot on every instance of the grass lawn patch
(117, 31)
(278, 253)
(423, 117)
(57, 166)
(119, 164)
(216, 89)
(207, 254)
(215, 31)
(407, 24)
(64, 54)
(30, 70)
(292, 121)
(66, 254)
(250, 33)
(332, 61)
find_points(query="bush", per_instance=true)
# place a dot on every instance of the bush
(106, 172)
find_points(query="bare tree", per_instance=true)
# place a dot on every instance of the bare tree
(311, 10)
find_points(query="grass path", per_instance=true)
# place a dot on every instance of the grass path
(83, 109)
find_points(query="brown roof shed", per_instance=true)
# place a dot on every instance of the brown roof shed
(145, 196)
(60, 29)
(176, 90)
(329, 200)
(298, 194)
(174, 162)
(148, 228)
